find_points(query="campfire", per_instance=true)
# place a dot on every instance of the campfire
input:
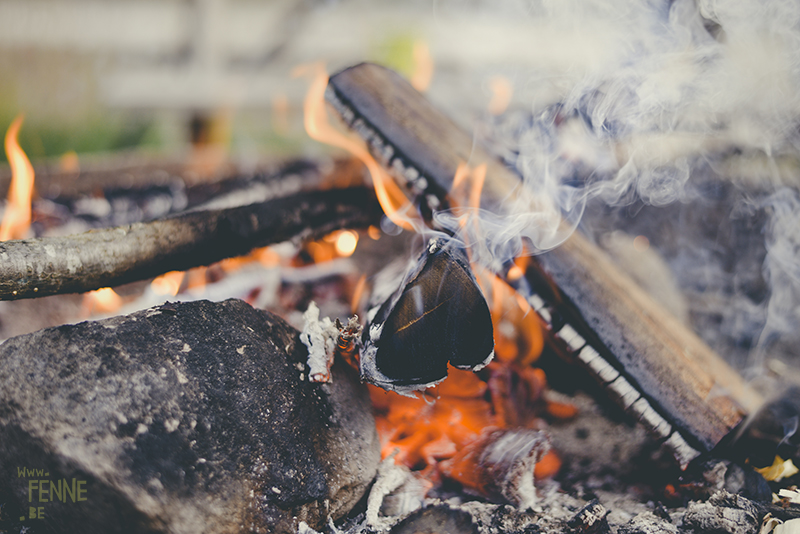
(404, 337)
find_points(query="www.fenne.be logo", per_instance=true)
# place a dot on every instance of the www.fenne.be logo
(42, 490)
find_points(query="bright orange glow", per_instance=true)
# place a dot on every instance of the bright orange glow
(561, 410)
(321, 251)
(464, 197)
(196, 280)
(450, 434)
(346, 243)
(17, 215)
(374, 233)
(518, 333)
(502, 90)
(103, 300)
(517, 270)
(547, 466)
(423, 67)
(267, 257)
(424, 432)
(477, 177)
(168, 283)
(394, 202)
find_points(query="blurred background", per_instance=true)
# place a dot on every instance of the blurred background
(96, 76)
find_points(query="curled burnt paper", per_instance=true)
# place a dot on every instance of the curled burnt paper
(437, 315)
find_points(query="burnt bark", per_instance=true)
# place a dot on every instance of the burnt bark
(683, 390)
(109, 257)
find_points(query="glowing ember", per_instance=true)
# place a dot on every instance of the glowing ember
(168, 283)
(17, 215)
(517, 330)
(423, 432)
(374, 233)
(103, 300)
(346, 243)
(358, 294)
(423, 67)
(393, 201)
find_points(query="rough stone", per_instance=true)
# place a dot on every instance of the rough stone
(723, 513)
(435, 520)
(193, 417)
(647, 523)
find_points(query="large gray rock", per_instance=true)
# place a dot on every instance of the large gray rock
(194, 417)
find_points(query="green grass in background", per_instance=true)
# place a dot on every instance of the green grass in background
(41, 140)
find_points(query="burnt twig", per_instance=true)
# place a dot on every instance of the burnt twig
(100, 258)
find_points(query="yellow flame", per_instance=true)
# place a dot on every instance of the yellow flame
(168, 283)
(346, 242)
(423, 66)
(501, 94)
(17, 215)
(104, 300)
(358, 293)
(393, 201)
(472, 197)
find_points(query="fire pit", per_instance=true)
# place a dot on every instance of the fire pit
(414, 338)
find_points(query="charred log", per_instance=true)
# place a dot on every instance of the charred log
(657, 369)
(101, 258)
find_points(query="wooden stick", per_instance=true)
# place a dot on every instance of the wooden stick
(109, 257)
(657, 369)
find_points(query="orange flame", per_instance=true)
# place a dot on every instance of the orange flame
(17, 216)
(358, 294)
(168, 283)
(423, 432)
(104, 300)
(394, 202)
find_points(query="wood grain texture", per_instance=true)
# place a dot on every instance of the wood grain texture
(109, 257)
(681, 377)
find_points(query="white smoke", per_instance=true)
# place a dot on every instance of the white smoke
(782, 268)
(628, 101)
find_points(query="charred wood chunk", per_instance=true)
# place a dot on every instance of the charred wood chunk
(437, 519)
(438, 315)
(647, 523)
(723, 512)
(772, 431)
(591, 519)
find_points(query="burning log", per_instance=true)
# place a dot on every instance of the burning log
(114, 256)
(656, 368)
(501, 465)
